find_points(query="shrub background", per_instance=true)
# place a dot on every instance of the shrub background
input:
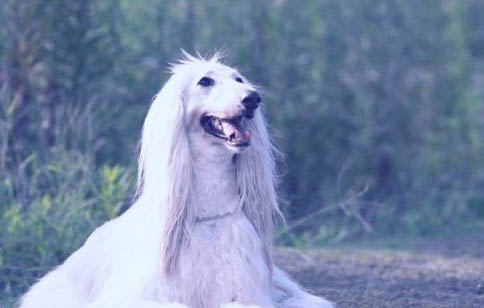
(377, 105)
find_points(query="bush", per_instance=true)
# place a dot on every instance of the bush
(68, 199)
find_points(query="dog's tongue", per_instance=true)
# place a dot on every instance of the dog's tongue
(235, 134)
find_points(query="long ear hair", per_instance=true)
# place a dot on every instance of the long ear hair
(256, 182)
(165, 168)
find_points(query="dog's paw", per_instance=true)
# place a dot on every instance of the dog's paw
(307, 301)
(173, 305)
(238, 305)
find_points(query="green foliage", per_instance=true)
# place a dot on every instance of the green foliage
(56, 222)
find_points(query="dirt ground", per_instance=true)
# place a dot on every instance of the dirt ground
(423, 273)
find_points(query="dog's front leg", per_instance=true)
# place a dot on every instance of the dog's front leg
(133, 304)
(238, 305)
(288, 294)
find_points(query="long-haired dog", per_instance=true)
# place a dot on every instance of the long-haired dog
(201, 230)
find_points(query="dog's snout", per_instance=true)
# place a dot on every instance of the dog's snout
(251, 101)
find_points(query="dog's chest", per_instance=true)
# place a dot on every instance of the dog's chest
(224, 262)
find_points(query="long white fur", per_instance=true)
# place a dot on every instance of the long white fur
(156, 254)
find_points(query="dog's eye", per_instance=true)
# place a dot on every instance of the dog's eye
(206, 82)
(238, 79)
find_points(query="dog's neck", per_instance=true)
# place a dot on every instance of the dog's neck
(215, 184)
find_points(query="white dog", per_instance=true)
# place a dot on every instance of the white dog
(201, 230)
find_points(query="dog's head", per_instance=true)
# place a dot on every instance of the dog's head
(219, 104)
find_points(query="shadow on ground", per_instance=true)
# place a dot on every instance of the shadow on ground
(423, 273)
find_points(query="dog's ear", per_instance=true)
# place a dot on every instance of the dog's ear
(257, 182)
(165, 170)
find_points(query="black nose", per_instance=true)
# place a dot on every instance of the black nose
(251, 101)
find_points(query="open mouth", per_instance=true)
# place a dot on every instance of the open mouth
(230, 130)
